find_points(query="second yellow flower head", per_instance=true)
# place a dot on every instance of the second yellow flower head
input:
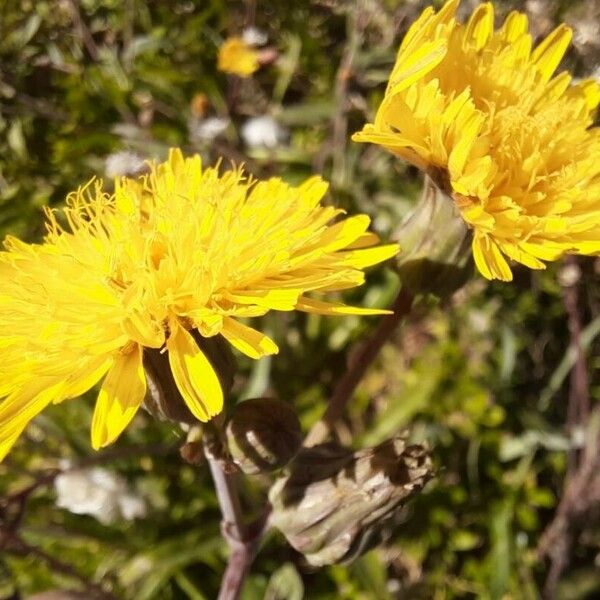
(482, 112)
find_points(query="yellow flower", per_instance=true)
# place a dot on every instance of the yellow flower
(237, 57)
(180, 252)
(482, 113)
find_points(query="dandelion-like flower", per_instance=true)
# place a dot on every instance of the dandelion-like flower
(180, 253)
(237, 57)
(482, 113)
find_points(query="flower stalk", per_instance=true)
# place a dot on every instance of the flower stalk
(243, 539)
(358, 364)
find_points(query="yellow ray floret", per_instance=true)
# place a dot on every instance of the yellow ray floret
(482, 112)
(237, 57)
(181, 252)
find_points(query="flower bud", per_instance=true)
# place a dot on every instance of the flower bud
(263, 434)
(163, 399)
(436, 245)
(333, 504)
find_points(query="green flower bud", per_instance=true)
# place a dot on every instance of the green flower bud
(436, 255)
(263, 434)
(333, 504)
(163, 399)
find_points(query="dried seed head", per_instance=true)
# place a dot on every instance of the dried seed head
(334, 504)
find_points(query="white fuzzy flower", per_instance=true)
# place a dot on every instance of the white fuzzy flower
(208, 129)
(124, 163)
(99, 493)
(254, 36)
(263, 132)
(132, 507)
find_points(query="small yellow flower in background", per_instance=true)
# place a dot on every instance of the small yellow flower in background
(237, 57)
(178, 250)
(482, 113)
(199, 105)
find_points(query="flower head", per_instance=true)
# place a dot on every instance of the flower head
(483, 114)
(174, 256)
(237, 57)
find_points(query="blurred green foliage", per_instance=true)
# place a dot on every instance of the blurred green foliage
(483, 378)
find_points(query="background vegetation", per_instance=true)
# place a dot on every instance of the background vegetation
(484, 378)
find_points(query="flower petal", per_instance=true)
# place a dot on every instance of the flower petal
(367, 257)
(345, 232)
(320, 307)
(514, 27)
(194, 375)
(366, 240)
(251, 342)
(85, 379)
(489, 259)
(21, 407)
(312, 190)
(276, 299)
(417, 65)
(549, 53)
(480, 26)
(143, 330)
(120, 397)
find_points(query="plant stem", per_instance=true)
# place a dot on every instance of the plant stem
(579, 394)
(238, 566)
(243, 540)
(358, 364)
(558, 538)
(574, 507)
